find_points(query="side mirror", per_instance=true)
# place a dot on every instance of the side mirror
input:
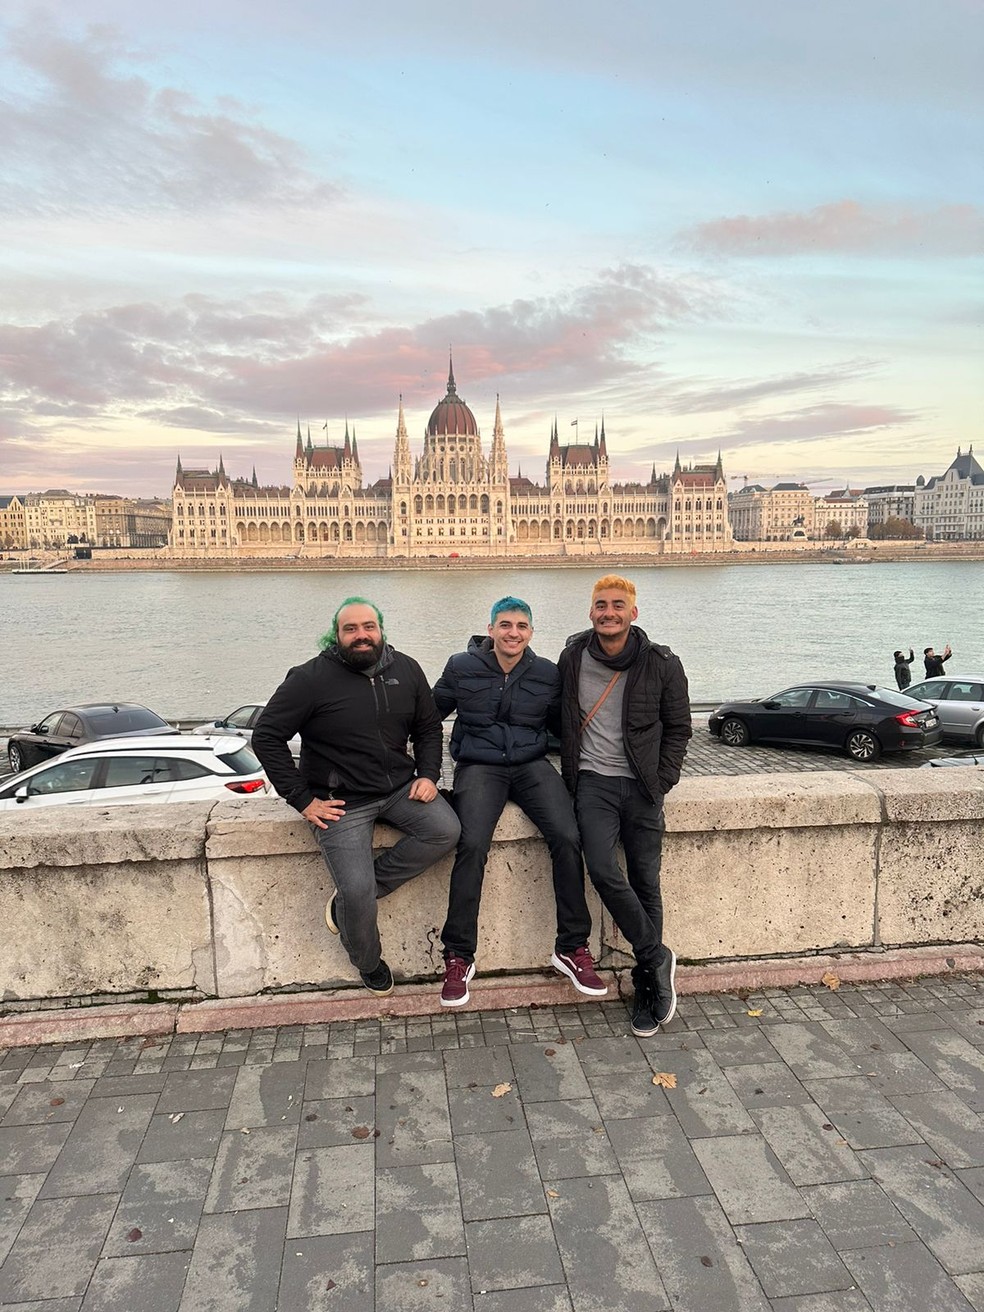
(33, 729)
(22, 793)
(771, 706)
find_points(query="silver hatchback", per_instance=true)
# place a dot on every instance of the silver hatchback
(959, 701)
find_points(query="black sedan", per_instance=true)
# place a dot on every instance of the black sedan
(75, 725)
(860, 718)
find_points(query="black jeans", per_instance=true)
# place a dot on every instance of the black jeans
(480, 793)
(610, 809)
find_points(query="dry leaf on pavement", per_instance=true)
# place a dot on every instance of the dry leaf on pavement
(831, 980)
(501, 1090)
(757, 1012)
(665, 1080)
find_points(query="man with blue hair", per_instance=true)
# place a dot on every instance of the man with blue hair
(505, 696)
(356, 706)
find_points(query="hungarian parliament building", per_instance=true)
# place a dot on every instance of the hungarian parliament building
(452, 500)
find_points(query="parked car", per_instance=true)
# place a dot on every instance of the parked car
(860, 718)
(967, 758)
(116, 771)
(74, 726)
(242, 722)
(959, 702)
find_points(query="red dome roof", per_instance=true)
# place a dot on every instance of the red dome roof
(452, 415)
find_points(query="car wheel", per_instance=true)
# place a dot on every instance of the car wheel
(734, 732)
(862, 745)
(15, 755)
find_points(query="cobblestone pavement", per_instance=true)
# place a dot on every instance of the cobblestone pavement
(804, 1150)
(707, 755)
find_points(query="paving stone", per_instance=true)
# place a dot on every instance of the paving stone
(899, 1072)
(153, 1283)
(192, 1134)
(197, 1091)
(124, 1086)
(437, 1286)
(56, 1250)
(943, 1212)
(808, 1145)
(974, 1180)
(793, 1257)
(606, 1257)
(862, 1115)
(330, 1122)
(703, 1101)
(906, 1278)
(31, 1149)
(46, 1305)
(840, 1300)
(544, 1298)
(655, 1158)
(618, 1100)
(236, 1262)
(953, 1131)
(748, 1180)
(17, 1195)
(405, 1063)
(702, 1267)
(47, 1103)
(569, 1139)
(863, 1036)
(513, 1253)
(325, 1272)
(333, 1192)
(612, 1057)
(769, 1085)
(858, 1214)
(972, 1288)
(540, 1078)
(497, 1176)
(252, 1170)
(478, 1067)
(749, 1047)
(412, 1118)
(266, 1096)
(163, 1200)
(957, 1062)
(101, 1147)
(418, 1213)
(475, 1111)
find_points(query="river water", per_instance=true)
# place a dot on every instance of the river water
(196, 645)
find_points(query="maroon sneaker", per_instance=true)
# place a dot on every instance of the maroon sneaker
(457, 973)
(579, 968)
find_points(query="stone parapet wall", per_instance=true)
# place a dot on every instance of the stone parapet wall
(227, 900)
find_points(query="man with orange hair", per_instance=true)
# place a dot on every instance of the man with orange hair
(625, 726)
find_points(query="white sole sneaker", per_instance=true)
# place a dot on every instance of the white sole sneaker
(330, 920)
(460, 1002)
(581, 987)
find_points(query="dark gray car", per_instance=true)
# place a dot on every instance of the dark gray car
(74, 725)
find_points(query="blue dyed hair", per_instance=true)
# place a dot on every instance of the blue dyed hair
(509, 604)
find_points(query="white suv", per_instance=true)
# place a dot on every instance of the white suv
(117, 771)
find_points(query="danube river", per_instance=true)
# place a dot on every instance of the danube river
(195, 645)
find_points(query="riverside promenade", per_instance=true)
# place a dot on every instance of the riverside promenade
(803, 1150)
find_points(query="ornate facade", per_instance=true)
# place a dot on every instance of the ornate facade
(452, 500)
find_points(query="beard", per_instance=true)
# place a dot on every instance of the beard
(361, 655)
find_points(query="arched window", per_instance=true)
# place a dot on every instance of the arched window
(418, 505)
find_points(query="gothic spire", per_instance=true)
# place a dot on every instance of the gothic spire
(299, 449)
(451, 387)
(355, 446)
(255, 480)
(602, 448)
(221, 469)
(347, 451)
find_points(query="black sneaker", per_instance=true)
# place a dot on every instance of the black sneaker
(663, 975)
(380, 980)
(644, 1022)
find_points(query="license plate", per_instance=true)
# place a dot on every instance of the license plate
(931, 722)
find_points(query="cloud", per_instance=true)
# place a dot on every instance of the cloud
(715, 396)
(82, 132)
(845, 227)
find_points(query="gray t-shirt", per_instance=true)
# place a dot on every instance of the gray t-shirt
(602, 749)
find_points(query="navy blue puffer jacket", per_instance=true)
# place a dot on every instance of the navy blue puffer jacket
(502, 718)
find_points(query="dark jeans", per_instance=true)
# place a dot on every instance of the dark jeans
(480, 793)
(608, 810)
(430, 829)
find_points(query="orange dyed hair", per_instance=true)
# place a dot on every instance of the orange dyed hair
(615, 581)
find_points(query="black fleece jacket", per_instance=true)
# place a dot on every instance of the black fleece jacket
(656, 723)
(502, 718)
(354, 730)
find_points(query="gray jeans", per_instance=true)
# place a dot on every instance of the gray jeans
(430, 830)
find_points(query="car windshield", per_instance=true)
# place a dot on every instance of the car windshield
(107, 724)
(893, 698)
(243, 761)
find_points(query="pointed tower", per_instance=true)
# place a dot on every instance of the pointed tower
(677, 467)
(602, 448)
(498, 466)
(221, 469)
(347, 450)
(254, 479)
(299, 449)
(402, 463)
(355, 447)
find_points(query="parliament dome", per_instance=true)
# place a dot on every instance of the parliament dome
(451, 415)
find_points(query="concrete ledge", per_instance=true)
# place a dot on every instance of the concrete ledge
(487, 994)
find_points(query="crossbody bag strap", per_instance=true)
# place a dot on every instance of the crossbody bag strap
(598, 704)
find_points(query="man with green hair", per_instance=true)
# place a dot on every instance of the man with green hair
(505, 696)
(356, 706)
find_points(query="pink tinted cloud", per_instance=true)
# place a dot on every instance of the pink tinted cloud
(846, 227)
(82, 132)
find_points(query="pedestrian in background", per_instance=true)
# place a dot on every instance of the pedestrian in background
(903, 675)
(934, 664)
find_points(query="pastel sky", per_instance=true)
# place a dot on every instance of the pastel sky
(746, 225)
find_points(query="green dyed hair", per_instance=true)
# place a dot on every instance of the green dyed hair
(330, 639)
(510, 604)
